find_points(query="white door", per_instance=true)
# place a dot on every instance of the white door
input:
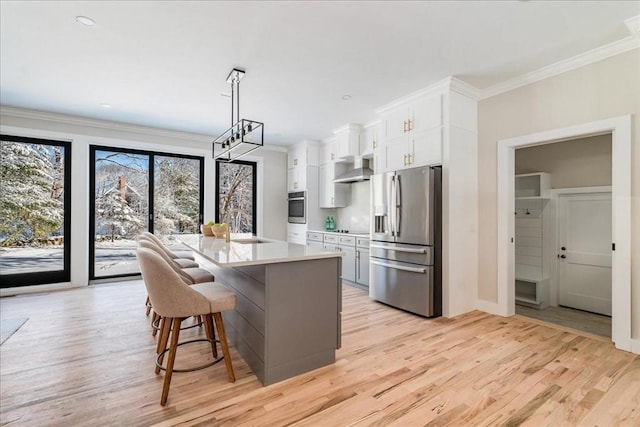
(584, 251)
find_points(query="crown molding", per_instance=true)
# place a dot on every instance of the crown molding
(113, 126)
(100, 124)
(586, 58)
(436, 88)
(633, 25)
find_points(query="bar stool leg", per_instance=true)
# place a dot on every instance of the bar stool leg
(162, 342)
(208, 327)
(225, 347)
(172, 358)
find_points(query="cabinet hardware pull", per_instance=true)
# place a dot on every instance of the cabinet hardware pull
(410, 125)
(374, 143)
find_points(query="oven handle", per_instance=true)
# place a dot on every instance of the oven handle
(296, 198)
(398, 249)
(400, 267)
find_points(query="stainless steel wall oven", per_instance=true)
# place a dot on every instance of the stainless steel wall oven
(297, 201)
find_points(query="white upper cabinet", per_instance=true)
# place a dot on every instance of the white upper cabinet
(331, 194)
(415, 116)
(300, 157)
(412, 135)
(369, 139)
(328, 151)
(348, 141)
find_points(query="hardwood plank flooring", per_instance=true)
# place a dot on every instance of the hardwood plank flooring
(86, 357)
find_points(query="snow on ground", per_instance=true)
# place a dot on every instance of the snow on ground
(112, 258)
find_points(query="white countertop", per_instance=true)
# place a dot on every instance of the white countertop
(237, 253)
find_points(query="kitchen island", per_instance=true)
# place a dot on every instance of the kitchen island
(288, 317)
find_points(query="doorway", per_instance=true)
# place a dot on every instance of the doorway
(571, 250)
(620, 129)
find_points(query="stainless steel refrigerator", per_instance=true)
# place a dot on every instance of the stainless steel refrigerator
(406, 240)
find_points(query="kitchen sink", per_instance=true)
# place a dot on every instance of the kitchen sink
(251, 240)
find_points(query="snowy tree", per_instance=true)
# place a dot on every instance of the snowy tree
(114, 213)
(31, 191)
(177, 198)
(236, 196)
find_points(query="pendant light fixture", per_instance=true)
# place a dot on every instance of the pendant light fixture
(244, 135)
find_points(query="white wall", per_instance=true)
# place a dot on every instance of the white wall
(82, 133)
(605, 89)
(582, 162)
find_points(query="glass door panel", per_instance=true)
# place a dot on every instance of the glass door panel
(236, 195)
(176, 195)
(34, 211)
(120, 210)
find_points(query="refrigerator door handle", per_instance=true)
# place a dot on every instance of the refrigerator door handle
(392, 197)
(400, 267)
(397, 249)
(398, 205)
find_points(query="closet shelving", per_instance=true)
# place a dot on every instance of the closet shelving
(533, 230)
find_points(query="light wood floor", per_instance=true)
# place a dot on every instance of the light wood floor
(85, 357)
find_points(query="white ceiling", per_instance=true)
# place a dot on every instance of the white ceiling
(164, 64)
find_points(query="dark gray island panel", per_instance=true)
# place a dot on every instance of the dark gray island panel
(288, 316)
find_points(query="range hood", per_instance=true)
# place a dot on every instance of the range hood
(359, 172)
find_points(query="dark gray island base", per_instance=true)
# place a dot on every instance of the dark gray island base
(288, 317)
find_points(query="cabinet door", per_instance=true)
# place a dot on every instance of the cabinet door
(291, 180)
(297, 179)
(347, 144)
(328, 153)
(362, 276)
(426, 147)
(397, 154)
(369, 140)
(395, 123)
(325, 185)
(426, 113)
(296, 157)
(349, 263)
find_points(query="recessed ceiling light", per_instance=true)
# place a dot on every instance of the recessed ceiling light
(84, 20)
(346, 97)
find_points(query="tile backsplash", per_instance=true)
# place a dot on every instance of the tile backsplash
(355, 217)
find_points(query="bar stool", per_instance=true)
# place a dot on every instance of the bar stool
(190, 276)
(181, 262)
(175, 301)
(172, 253)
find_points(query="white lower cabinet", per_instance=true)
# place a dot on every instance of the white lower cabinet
(296, 233)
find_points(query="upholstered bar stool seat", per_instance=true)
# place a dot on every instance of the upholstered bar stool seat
(175, 301)
(185, 263)
(185, 254)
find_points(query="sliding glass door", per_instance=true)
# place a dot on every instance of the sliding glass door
(135, 191)
(35, 211)
(236, 195)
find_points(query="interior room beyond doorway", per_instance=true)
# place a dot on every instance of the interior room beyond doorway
(581, 164)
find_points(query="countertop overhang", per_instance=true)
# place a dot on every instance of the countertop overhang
(247, 249)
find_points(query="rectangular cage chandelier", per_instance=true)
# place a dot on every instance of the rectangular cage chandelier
(244, 135)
